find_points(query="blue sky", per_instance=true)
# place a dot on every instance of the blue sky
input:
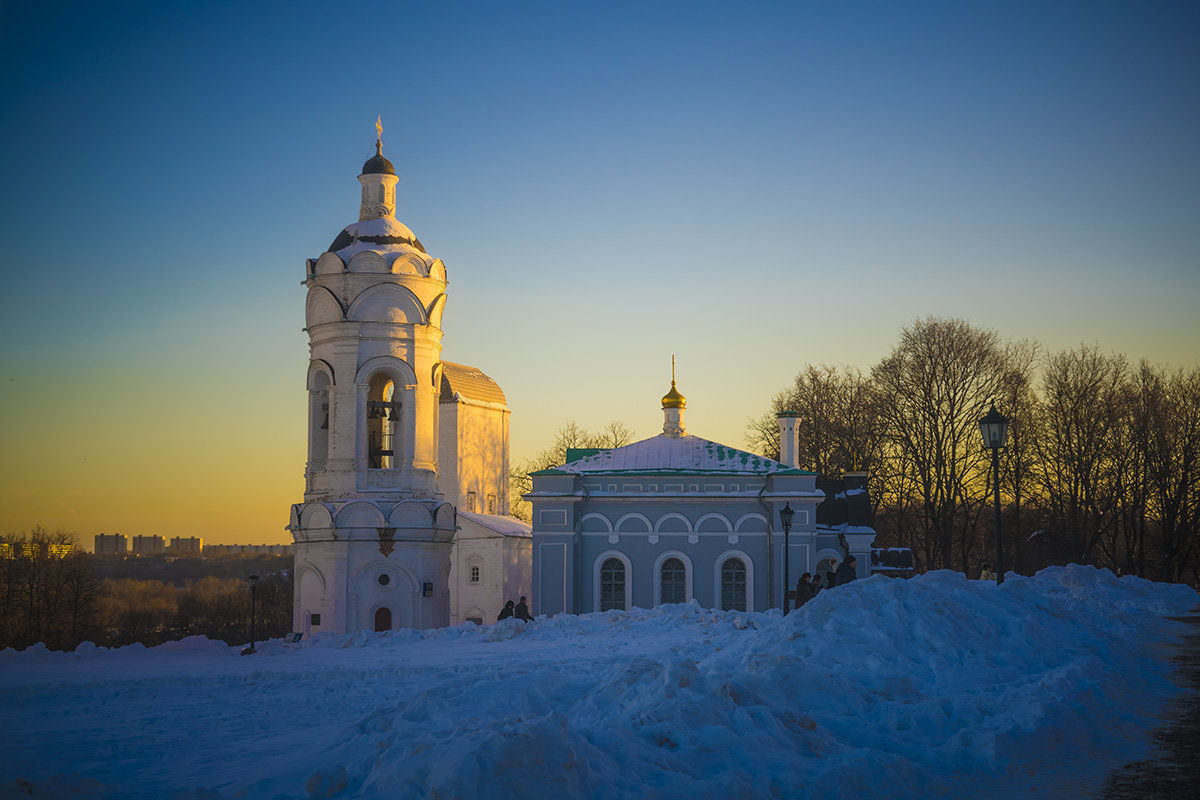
(751, 186)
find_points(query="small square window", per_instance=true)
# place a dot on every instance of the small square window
(315, 619)
(474, 574)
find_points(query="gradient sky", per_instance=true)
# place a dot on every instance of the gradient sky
(751, 186)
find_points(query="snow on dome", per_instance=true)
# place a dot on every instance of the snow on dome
(382, 234)
(685, 454)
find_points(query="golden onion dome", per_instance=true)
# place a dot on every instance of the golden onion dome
(673, 399)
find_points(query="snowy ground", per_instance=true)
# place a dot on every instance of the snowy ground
(931, 687)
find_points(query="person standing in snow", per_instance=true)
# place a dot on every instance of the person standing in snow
(521, 612)
(831, 576)
(815, 584)
(506, 612)
(804, 590)
(985, 572)
(846, 571)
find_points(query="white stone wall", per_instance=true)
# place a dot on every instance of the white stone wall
(473, 446)
(505, 574)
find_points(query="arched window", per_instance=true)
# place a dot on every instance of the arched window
(673, 582)
(733, 585)
(383, 423)
(383, 619)
(612, 584)
(318, 421)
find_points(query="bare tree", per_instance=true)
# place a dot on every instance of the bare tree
(570, 436)
(1083, 394)
(933, 388)
(1018, 401)
(49, 592)
(1102, 462)
(1173, 467)
(838, 430)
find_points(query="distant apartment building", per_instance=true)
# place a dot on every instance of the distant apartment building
(111, 544)
(186, 545)
(248, 549)
(21, 549)
(146, 545)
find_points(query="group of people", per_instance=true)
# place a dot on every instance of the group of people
(838, 575)
(806, 588)
(520, 611)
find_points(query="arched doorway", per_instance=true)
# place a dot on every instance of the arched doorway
(383, 619)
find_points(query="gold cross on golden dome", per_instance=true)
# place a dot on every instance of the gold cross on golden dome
(673, 399)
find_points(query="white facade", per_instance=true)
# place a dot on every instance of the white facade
(473, 441)
(374, 535)
(490, 564)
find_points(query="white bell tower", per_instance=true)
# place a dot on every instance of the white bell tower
(373, 533)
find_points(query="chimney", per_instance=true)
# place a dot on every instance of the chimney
(789, 439)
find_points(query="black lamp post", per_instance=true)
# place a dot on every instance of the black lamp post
(253, 580)
(994, 427)
(785, 516)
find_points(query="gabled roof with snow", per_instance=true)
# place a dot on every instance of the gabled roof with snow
(505, 526)
(685, 454)
(460, 382)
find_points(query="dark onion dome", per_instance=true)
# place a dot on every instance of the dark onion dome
(377, 164)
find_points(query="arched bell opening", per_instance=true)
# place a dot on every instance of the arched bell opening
(383, 423)
(318, 421)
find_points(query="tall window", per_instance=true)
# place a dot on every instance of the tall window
(733, 585)
(318, 449)
(474, 574)
(612, 584)
(491, 504)
(673, 579)
(383, 421)
(471, 502)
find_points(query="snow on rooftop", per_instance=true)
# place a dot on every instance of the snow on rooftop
(933, 686)
(507, 526)
(685, 454)
(461, 382)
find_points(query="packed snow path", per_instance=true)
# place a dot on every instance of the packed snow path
(933, 686)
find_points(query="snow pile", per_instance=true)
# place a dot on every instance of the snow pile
(882, 688)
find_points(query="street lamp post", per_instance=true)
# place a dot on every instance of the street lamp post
(994, 427)
(785, 516)
(253, 580)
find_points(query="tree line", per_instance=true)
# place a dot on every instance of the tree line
(1101, 465)
(52, 594)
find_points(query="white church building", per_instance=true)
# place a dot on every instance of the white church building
(404, 521)
(676, 518)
